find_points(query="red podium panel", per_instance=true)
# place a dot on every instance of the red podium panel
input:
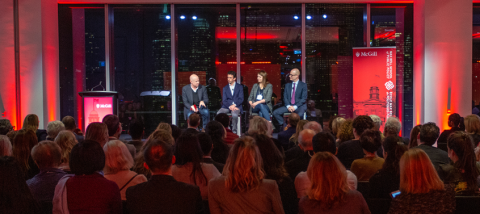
(98, 104)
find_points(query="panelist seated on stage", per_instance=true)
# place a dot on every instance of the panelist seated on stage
(260, 98)
(232, 99)
(195, 99)
(294, 97)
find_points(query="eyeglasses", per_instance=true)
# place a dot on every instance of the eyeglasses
(293, 74)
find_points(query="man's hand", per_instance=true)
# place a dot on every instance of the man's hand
(253, 105)
(194, 109)
(232, 107)
(235, 109)
(291, 109)
(202, 104)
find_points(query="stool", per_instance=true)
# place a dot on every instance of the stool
(239, 126)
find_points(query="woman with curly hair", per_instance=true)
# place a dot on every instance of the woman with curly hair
(345, 132)
(66, 140)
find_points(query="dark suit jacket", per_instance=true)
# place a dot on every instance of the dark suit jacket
(229, 99)
(300, 94)
(187, 97)
(163, 194)
(436, 155)
(298, 165)
(284, 136)
(217, 165)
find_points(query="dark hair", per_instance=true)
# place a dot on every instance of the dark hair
(223, 119)
(429, 133)
(205, 143)
(232, 73)
(136, 129)
(413, 136)
(47, 154)
(457, 120)
(112, 122)
(194, 120)
(362, 123)
(394, 147)
(324, 142)
(176, 132)
(293, 119)
(187, 150)
(22, 145)
(87, 158)
(371, 140)
(69, 123)
(220, 149)
(158, 155)
(273, 163)
(462, 144)
(14, 192)
(5, 126)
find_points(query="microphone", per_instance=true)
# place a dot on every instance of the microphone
(100, 84)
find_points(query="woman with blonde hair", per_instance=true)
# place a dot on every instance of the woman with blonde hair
(421, 190)
(243, 188)
(5, 146)
(472, 127)
(258, 125)
(345, 132)
(294, 138)
(66, 140)
(165, 126)
(118, 162)
(260, 98)
(336, 123)
(31, 122)
(98, 132)
(329, 191)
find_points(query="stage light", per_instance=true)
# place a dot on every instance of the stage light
(167, 17)
(309, 17)
(194, 17)
(324, 16)
(295, 17)
(182, 17)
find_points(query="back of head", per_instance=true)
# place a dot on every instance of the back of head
(376, 121)
(5, 126)
(165, 126)
(462, 144)
(305, 139)
(371, 140)
(22, 144)
(271, 156)
(314, 126)
(66, 140)
(413, 136)
(176, 132)
(47, 154)
(257, 125)
(223, 119)
(87, 158)
(394, 149)
(158, 156)
(194, 120)
(293, 119)
(14, 192)
(136, 129)
(215, 130)
(117, 157)
(97, 132)
(53, 128)
(205, 143)
(336, 123)
(472, 124)
(417, 174)
(5, 146)
(112, 122)
(324, 142)
(392, 127)
(187, 149)
(162, 135)
(31, 122)
(69, 123)
(456, 121)
(429, 133)
(243, 169)
(345, 132)
(362, 123)
(329, 179)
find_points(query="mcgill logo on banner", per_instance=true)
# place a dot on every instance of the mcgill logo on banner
(370, 53)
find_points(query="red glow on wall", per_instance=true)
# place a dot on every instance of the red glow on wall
(233, 35)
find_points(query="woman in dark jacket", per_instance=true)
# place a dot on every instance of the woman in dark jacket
(260, 98)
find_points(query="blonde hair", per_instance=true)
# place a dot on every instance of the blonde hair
(98, 132)
(5, 146)
(345, 132)
(336, 123)
(258, 125)
(328, 179)
(66, 140)
(472, 124)
(417, 174)
(163, 135)
(117, 157)
(244, 167)
(31, 122)
(300, 126)
(264, 78)
(165, 126)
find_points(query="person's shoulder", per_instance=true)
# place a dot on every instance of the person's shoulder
(186, 86)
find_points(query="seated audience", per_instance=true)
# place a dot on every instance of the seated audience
(162, 192)
(413, 136)
(31, 122)
(137, 130)
(53, 128)
(456, 123)
(161, 135)
(23, 142)
(5, 126)
(66, 140)
(164, 126)
(365, 168)
(217, 133)
(189, 167)
(300, 163)
(421, 190)
(464, 173)
(393, 126)
(472, 127)
(387, 179)
(345, 132)
(329, 191)
(176, 132)
(225, 121)
(87, 191)
(293, 141)
(321, 142)
(5, 146)
(377, 122)
(274, 168)
(336, 123)
(14, 189)
(115, 130)
(71, 125)
(314, 126)
(193, 122)
(206, 145)
(352, 150)
(259, 125)
(243, 188)
(296, 150)
(97, 132)
(291, 128)
(47, 155)
(427, 137)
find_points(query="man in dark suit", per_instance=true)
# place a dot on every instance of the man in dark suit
(195, 99)
(284, 136)
(294, 97)
(426, 138)
(300, 163)
(232, 99)
(162, 193)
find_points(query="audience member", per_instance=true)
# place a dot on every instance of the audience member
(293, 141)
(427, 137)
(14, 192)
(189, 168)
(421, 189)
(243, 188)
(115, 130)
(321, 142)
(165, 126)
(161, 135)
(393, 126)
(193, 122)
(118, 163)
(329, 192)
(274, 169)
(11, 135)
(345, 132)
(97, 132)
(206, 145)
(5, 146)
(413, 136)
(53, 128)
(162, 192)
(464, 173)
(472, 127)
(284, 136)
(314, 126)
(377, 122)
(259, 125)
(296, 151)
(336, 123)
(312, 111)
(31, 122)
(217, 133)
(364, 168)
(387, 180)
(5, 126)
(300, 163)
(176, 132)
(71, 125)
(66, 140)
(23, 143)
(47, 155)
(87, 191)
(456, 123)
(223, 119)
(137, 130)
(352, 150)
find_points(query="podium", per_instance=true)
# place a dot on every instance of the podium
(97, 104)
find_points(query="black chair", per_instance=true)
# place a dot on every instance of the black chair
(46, 207)
(378, 205)
(467, 204)
(364, 188)
(124, 207)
